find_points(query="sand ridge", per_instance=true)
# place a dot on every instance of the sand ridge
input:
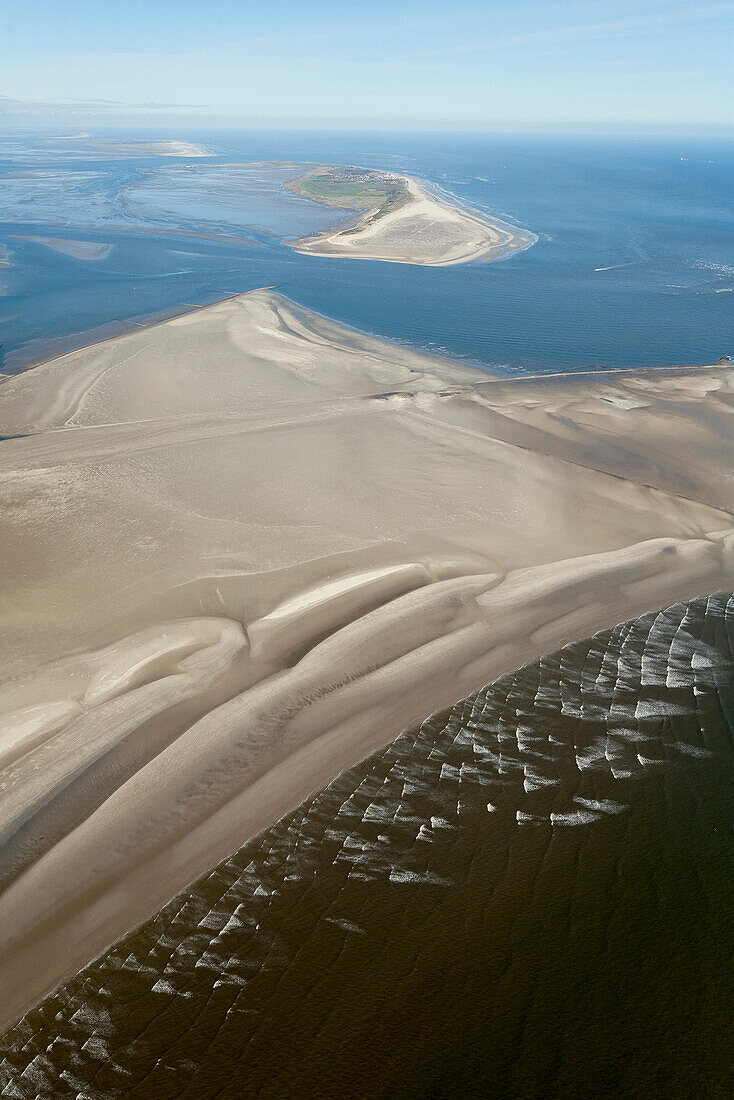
(246, 546)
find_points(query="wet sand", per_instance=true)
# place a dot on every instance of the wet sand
(77, 250)
(426, 230)
(247, 546)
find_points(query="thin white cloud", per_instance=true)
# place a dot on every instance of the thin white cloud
(11, 106)
(580, 31)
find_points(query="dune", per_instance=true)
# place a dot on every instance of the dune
(426, 230)
(247, 546)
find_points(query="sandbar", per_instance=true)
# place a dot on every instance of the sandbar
(77, 250)
(114, 147)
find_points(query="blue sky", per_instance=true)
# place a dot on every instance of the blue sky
(476, 64)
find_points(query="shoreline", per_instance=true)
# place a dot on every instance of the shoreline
(248, 545)
(59, 346)
(522, 238)
(387, 847)
(83, 339)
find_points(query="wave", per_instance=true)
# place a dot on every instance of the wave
(717, 269)
(613, 267)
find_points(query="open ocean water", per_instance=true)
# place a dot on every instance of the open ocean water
(634, 265)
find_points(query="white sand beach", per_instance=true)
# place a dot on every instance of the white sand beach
(244, 547)
(426, 230)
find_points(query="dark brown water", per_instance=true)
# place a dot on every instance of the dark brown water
(528, 896)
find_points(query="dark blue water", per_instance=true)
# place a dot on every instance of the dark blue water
(634, 264)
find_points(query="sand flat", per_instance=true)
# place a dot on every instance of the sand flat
(246, 546)
(77, 250)
(427, 230)
(135, 147)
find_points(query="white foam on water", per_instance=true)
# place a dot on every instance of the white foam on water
(602, 805)
(576, 817)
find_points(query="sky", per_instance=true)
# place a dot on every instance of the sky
(379, 64)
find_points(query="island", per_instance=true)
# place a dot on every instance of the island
(401, 220)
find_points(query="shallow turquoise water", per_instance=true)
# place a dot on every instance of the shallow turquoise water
(634, 264)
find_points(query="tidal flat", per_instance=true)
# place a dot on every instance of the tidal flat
(77, 250)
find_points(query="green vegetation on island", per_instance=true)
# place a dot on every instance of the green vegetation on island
(359, 189)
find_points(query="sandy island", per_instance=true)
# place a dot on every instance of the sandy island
(417, 227)
(246, 546)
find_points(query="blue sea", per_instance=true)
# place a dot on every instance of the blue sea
(633, 266)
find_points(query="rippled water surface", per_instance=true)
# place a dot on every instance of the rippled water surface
(634, 264)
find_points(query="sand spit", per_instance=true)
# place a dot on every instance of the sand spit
(247, 546)
(426, 230)
(77, 250)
